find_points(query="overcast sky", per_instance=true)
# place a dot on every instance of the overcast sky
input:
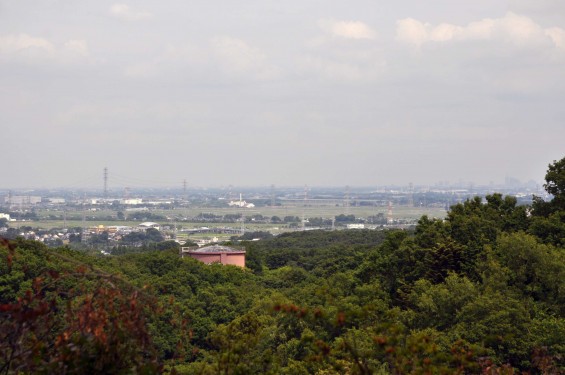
(262, 92)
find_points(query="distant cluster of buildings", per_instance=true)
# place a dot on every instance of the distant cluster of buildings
(49, 238)
(32, 200)
(63, 236)
(122, 229)
(207, 254)
(240, 203)
(23, 200)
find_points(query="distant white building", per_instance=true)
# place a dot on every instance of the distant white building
(242, 204)
(355, 226)
(149, 224)
(132, 201)
(5, 216)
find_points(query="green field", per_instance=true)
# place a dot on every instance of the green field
(326, 212)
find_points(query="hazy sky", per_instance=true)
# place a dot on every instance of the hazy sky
(262, 92)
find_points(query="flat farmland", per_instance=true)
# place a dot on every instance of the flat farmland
(177, 215)
(326, 212)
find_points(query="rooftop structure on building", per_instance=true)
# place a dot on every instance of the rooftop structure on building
(216, 254)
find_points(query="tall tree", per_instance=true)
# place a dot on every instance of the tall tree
(555, 180)
(554, 185)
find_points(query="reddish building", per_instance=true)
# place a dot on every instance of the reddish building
(216, 254)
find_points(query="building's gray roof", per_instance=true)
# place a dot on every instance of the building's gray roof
(217, 249)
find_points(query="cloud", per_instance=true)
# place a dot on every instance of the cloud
(124, 11)
(557, 35)
(332, 57)
(236, 56)
(412, 31)
(335, 70)
(23, 47)
(222, 57)
(237, 53)
(23, 44)
(77, 47)
(177, 60)
(118, 118)
(344, 70)
(347, 29)
(512, 28)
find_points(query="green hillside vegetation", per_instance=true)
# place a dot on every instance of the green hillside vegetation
(482, 291)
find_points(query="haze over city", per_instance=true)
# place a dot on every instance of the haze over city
(287, 93)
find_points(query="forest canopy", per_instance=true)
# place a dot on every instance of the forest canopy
(482, 291)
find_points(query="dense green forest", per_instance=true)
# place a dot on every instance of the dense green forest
(482, 291)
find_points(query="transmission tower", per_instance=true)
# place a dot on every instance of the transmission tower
(304, 207)
(273, 196)
(242, 215)
(389, 219)
(184, 190)
(84, 234)
(105, 183)
(346, 201)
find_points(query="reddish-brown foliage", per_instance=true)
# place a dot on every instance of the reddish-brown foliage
(67, 325)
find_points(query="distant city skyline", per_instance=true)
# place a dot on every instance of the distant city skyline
(287, 93)
(130, 184)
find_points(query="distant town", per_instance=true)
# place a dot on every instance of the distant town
(107, 218)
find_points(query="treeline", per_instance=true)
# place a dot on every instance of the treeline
(482, 291)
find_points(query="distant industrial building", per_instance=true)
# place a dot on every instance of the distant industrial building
(22, 200)
(149, 224)
(56, 200)
(242, 204)
(355, 226)
(132, 201)
(216, 254)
